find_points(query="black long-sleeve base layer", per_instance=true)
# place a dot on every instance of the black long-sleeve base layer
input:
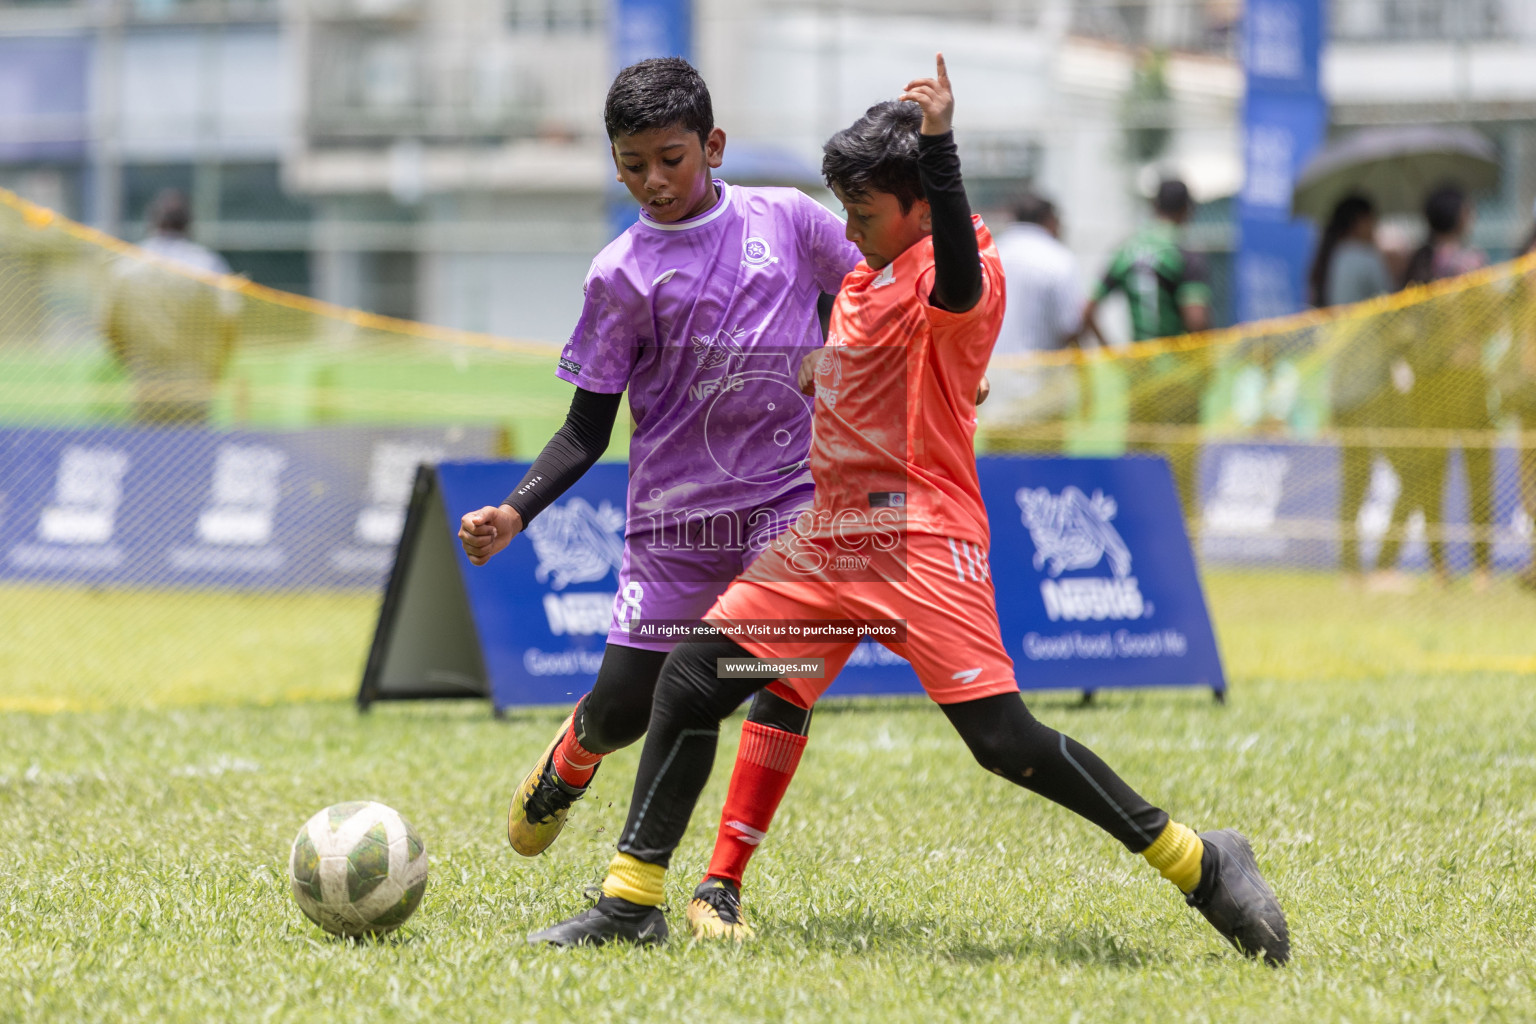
(956, 255)
(579, 442)
(1004, 737)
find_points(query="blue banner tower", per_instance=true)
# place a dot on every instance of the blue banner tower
(1284, 121)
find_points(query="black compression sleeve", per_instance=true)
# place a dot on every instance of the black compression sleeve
(1009, 741)
(570, 453)
(679, 749)
(956, 258)
(618, 709)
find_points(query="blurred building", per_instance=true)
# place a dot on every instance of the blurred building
(1445, 62)
(105, 102)
(444, 159)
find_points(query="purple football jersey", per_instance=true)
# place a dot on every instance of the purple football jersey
(705, 322)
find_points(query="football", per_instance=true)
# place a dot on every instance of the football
(358, 869)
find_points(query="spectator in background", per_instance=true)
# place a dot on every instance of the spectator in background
(1349, 268)
(1448, 392)
(1170, 294)
(172, 333)
(1046, 299)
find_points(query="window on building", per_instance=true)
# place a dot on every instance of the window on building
(254, 191)
(142, 182)
(1417, 20)
(389, 283)
(286, 271)
(556, 15)
(156, 10)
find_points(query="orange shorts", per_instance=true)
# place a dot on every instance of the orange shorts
(942, 588)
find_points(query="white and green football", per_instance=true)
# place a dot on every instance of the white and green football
(358, 869)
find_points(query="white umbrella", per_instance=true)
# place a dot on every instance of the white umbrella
(1395, 167)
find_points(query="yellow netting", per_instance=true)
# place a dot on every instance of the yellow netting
(248, 421)
(1359, 482)
(141, 397)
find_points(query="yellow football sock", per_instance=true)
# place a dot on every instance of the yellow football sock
(1176, 854)
(635, 880)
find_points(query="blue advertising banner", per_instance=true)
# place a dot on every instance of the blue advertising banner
(651, 28)
(1284, 122)
(1279, 505)
(1096, 584)
(186, 507)
(1282, 43)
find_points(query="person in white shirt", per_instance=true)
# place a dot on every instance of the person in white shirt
(1046, 299)
(172, 332)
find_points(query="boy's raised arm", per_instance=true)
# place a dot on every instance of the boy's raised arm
(956, 256)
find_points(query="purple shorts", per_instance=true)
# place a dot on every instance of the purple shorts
(675, 572)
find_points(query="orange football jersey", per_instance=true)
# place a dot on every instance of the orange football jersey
(895, 420)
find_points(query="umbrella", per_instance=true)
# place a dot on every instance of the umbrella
(1396, 167)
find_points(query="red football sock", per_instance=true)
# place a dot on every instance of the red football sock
(764, 765)
(573, 762)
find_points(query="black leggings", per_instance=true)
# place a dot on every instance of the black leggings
(1004, 737)
(616, 712)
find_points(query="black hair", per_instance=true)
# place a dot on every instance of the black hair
(658, 93)
(1172, 199)
(877, 153)
(1033, 209)
(170, 211)
(1347, 213)
(1443, 210)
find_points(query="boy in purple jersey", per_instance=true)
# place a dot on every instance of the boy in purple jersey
(703, 311)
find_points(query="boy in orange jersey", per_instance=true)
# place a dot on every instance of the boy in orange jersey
(897, 532)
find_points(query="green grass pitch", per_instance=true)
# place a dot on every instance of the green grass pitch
(145, 880)
(1376, 748)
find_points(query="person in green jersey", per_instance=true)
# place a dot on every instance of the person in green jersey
(1169, 292)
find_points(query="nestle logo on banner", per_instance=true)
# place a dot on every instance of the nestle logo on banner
(1072, 531)
(1243, 510)
(74, 531)
(576, 543)
(391, 474)
(246, 491)
(585, 614)
(87, 493)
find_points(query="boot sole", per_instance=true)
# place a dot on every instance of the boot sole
(527, 838)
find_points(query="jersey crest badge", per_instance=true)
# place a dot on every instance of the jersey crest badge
(755, 252)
